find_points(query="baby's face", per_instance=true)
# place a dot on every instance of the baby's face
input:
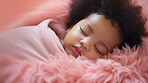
(92, 37)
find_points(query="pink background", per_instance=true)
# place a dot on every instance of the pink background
(13, 9)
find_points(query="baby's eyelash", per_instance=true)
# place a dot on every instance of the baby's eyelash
(83, 31)
(98, 50)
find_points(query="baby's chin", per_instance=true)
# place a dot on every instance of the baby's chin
(70, 53)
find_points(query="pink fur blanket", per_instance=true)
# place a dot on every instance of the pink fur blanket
(32, 60)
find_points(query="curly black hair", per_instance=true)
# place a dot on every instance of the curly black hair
(126, 14)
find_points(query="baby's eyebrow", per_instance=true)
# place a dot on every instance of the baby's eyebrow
(89, 26)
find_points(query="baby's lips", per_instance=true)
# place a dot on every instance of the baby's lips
(78, 47)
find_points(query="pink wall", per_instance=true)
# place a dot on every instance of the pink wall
(12, 9)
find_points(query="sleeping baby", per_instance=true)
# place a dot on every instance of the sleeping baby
(95, 28)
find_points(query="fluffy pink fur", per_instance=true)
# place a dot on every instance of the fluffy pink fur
(127, 66)
(121, 67)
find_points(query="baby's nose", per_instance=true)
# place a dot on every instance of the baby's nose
(85, 42)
